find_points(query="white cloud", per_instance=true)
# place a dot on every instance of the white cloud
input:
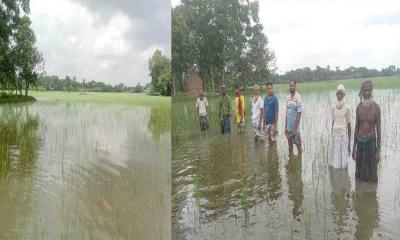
(74, 42)
(175, 2)
(338, 33)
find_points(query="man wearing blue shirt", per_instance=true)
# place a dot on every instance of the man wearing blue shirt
(271, 113)
(294, 108)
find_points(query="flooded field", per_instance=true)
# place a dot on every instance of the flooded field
(75, 170)
(231, 187)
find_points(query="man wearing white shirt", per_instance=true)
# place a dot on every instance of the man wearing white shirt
(257, 112)
(202, 109)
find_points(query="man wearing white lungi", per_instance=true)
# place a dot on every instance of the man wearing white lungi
(341, 130)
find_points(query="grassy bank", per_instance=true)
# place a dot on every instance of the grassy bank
(16, 99)
(100, 97)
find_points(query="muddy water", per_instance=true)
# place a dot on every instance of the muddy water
(83, 171)
(231, 187)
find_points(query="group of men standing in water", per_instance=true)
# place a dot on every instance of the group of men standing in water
(265, 116)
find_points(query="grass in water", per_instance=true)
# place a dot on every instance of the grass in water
(102, 98)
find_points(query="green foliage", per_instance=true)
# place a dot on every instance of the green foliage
(223, 39)
(160, 72)
(325, 74)
(20, 61)
(68, 84)
(27, 59)
(184, 52)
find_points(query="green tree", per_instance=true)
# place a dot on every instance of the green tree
(222, 39)
(184, 52)
(10, 14)
(160, 73)
(28, 61)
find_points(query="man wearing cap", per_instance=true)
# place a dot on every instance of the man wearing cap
(224, 111)
(341, 129)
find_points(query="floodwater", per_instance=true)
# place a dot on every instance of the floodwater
(231, 187)
(84, 171)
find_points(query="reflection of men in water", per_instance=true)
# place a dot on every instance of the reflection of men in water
(257, 112)
(294, 108)
(239, 109)
(366, 208)
(340, 126)
(202, 109)
(271, 109)
(295, 183)
(340, 196)
(367, 135)
(224, 111)
(274, 180)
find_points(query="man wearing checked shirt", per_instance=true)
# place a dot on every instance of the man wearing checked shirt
(294, 108)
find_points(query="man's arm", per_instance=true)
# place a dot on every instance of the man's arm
(355, 135)
(197, 106)
(243, 107)
(276, 114)
(220, 110)
(298, 116)
(378, 134)
(348, 130)
(207, 110)
(286, 123)
(229, 105)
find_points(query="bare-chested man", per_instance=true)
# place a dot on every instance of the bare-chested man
(367, 135)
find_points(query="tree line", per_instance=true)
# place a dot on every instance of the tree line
(21, 63)
(54, 83)
(223, 40)
(307, 74)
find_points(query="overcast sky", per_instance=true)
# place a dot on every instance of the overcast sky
(101, 40)
(337, 32)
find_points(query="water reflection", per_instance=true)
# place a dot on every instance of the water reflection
(340, 197)
(19, 141)
(273, 177)
(295, 183)
(19, 145)
(366, 208)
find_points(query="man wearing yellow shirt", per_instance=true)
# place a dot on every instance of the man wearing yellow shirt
(239, 109)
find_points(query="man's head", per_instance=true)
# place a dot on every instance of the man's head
(237, 90)
(201, 93)
(366, 90)
(270, 88)
(340, 92)
(292, 86)
(256, 90)
(222, 89)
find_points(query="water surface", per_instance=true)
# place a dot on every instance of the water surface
(84, 171)
(231, 187)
